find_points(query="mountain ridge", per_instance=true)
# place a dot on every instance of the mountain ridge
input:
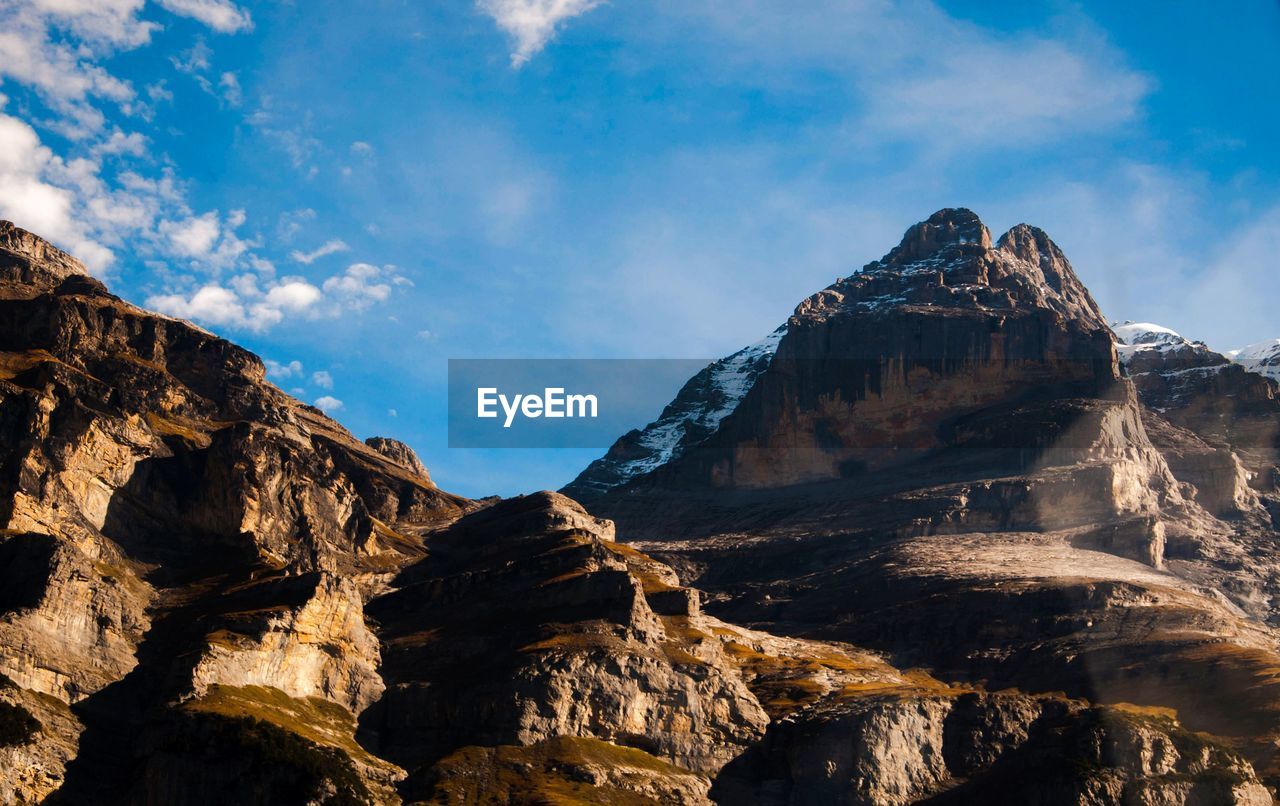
(211, 592)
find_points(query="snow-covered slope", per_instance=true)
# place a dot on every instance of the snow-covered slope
(1137, 337)
(1146, 347)
(695, 414)
(1262, 358)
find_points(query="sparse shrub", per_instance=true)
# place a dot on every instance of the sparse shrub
(17, 725)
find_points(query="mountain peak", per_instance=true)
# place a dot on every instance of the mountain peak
(38, 255)
(951, 226)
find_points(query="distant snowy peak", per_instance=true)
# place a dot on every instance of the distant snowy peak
(1148, 346)
(695, 414)
(1262, 358)
(1133, 338)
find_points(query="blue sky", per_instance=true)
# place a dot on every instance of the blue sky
(359, 191)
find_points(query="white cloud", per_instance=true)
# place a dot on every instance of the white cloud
(34, 51)
(532, 23)
(29, 198)
(214, 305)
(362, 285)
(361, 149)
(159, 92)
(283, 372)
(195, 237)
(291, 223)
(322, 379)
(392, 413)
(242, 303)
(119, 143)
(220, 15)
(329, 404)
(56, 47)
(328, 248)
(989, 92)
(293, 296)
(194, 59)
(208, 241)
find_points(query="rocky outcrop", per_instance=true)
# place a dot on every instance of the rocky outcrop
(38, 737)
(32, 263)
(69, 622)
(319, 647)
(530, 602)
(913, 746)
(564, 769)
(881, 368)
(399, 453)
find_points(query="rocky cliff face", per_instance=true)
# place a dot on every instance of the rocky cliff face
(212, 593)
(948, 461)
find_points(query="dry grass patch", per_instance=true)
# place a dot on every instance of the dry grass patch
(557, 772)
(314, 719)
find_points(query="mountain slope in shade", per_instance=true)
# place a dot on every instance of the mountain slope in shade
(695, 413)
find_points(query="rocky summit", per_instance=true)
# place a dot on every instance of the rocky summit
(943, 537)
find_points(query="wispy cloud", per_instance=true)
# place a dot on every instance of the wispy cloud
(220, 15)
(916, 73)
(328, 248)
(533, 23)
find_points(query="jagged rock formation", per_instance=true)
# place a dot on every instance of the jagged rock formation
(174, 525)
(947, 461)
(212, 593)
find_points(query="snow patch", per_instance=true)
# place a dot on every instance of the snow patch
(1262, 358)
(1137, 337)
(728, 381)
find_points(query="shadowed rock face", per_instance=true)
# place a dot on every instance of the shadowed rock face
(211, 593)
